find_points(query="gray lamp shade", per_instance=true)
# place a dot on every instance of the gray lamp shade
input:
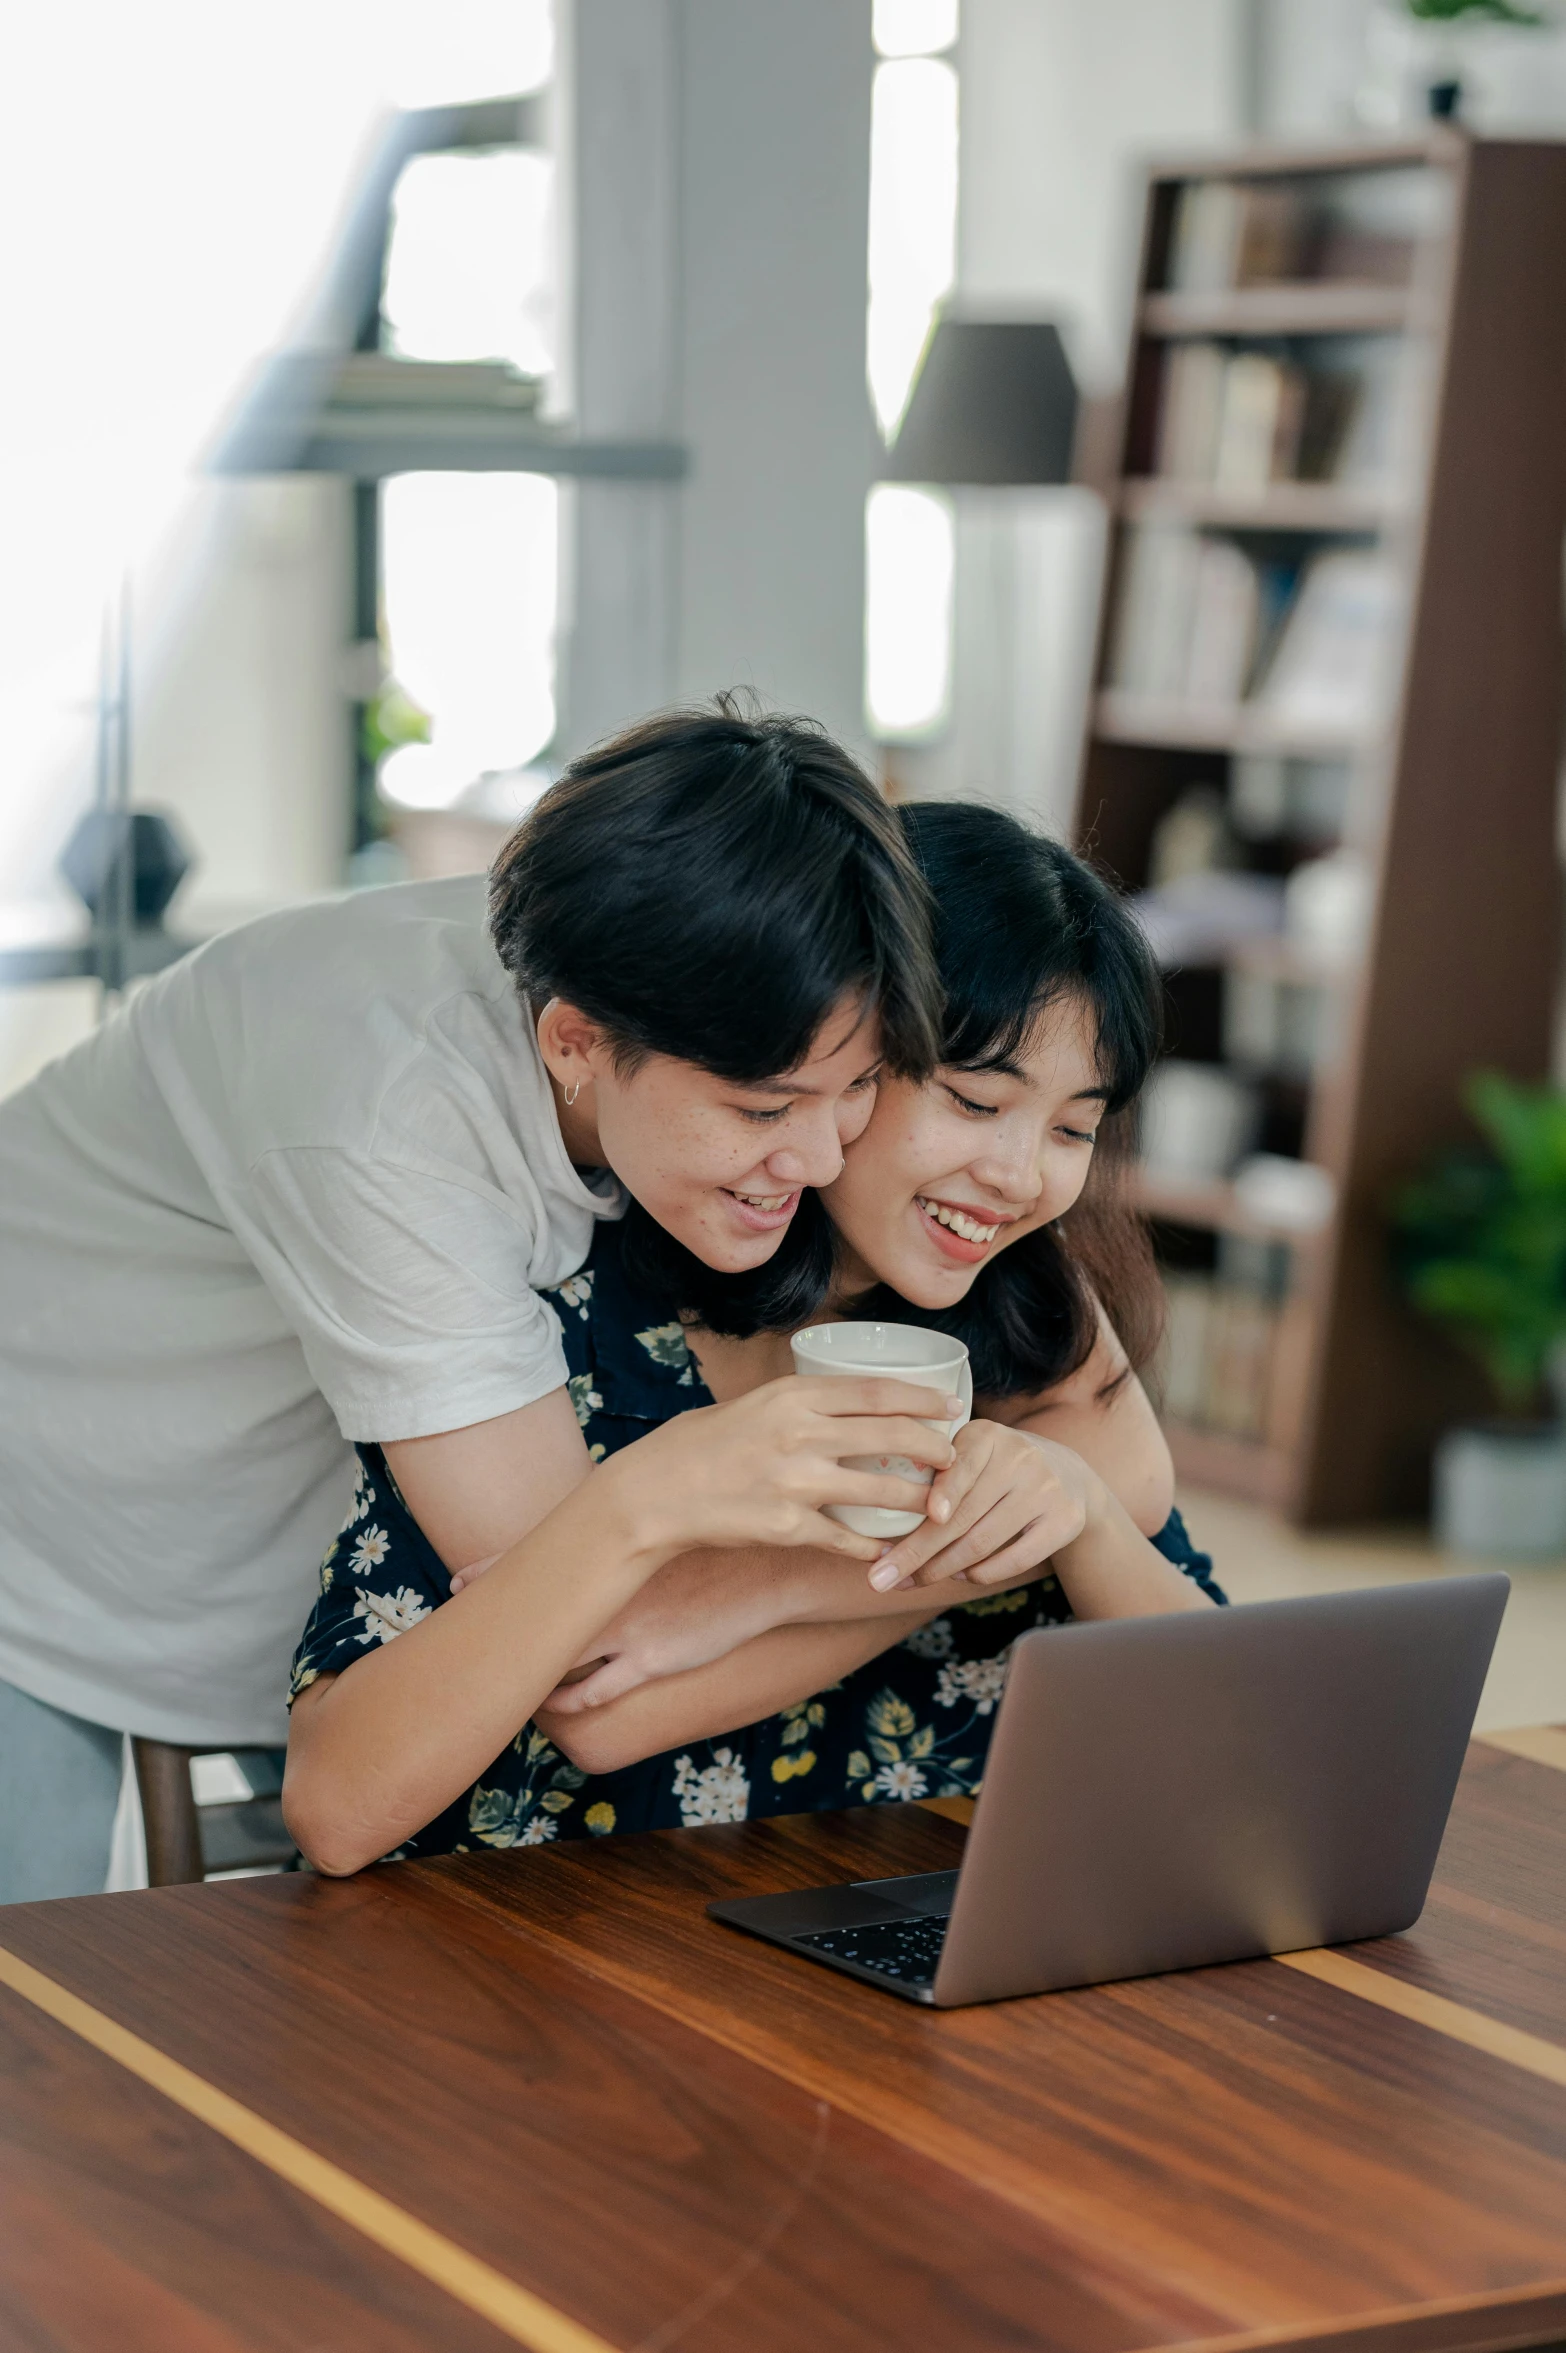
(994, 402)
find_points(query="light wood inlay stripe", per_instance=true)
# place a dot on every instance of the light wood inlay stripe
(1542, 1744)
(1434, 2010)
(512, 2309)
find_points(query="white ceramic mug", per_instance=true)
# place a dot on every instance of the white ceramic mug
(888, 1352)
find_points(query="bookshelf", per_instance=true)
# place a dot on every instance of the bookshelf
(1322, 749)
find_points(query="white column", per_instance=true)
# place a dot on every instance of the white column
(617, 118)
(774, 198)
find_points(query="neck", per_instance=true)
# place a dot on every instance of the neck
(851, 1279)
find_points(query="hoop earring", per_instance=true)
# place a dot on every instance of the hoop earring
(571, 1094)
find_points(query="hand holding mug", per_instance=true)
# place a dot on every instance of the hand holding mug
(900, 1352)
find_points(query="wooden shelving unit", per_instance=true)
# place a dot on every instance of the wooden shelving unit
(1282, 506)
(1450, 795)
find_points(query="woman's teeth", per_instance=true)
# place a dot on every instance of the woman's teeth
(764, 1200)
(967, 1229)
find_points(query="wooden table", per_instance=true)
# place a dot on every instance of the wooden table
(540, 2099)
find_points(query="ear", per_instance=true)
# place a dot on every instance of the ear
(573, 1045)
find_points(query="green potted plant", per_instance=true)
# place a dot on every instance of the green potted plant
(1431, 57)
(1481, 1248)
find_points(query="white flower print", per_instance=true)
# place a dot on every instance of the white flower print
(718, 1793)
(584, 1397)
(386, 1615)
(577, 1291)
(370, 1549)
(931, 1642)
(538, 1831)
(979, 1681)
(363, 1497)
(901, 1780)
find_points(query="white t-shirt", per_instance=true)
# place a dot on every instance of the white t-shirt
(303, 1190)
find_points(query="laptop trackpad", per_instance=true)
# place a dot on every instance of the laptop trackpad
(812, 1909)
(926, 1894)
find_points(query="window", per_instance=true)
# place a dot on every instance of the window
(909, 533)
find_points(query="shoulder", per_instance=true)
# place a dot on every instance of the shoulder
(380, 1005)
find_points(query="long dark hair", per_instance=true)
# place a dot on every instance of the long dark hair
(1020, 925)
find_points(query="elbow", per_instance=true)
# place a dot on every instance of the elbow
(590, 1739)
(329, 1844)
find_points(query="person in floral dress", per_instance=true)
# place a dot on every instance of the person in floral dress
(915, 1722)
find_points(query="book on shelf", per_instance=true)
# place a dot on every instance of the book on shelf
(1236, 233)
(1285, 1028)
(1197, 615)
(1332, 671)
(1216, 1362)
(1202, 621)
(1215, 1359)
(1362, 228)
(1244, 419)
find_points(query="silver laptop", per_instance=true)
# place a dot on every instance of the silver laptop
(1167, 1792)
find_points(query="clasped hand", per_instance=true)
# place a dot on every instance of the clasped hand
(1008, 1503)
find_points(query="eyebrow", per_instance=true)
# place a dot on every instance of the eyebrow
(784, 1086)
(1015, 1070)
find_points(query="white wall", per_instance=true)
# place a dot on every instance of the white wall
(240, 729)
(1329, 69)
(244, 727)
(1061, 102)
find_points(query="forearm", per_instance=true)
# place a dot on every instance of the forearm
(750, 1589)
(384, 1746)
(1112, 1571)
(787, 1664)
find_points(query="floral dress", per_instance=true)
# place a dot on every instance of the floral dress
(914, 1722)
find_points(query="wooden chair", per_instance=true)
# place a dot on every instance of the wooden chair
(186, 1841)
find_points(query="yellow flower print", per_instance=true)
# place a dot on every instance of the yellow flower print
(892, 1717)
(600, 1818)
(997, 1605)
(791, 1768)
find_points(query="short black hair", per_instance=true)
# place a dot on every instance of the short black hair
(709, 885)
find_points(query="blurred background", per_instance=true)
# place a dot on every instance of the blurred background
(1144, 414)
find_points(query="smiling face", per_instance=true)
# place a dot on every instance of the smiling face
(947, 1174)
(720, 1165)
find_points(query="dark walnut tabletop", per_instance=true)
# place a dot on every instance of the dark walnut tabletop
(541, 2099)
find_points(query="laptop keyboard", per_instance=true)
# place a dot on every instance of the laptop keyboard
(905, 1949)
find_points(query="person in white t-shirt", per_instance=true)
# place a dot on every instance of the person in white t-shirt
(305, 1188)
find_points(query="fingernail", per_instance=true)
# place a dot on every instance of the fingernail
(885, 1576)
(953, 1406)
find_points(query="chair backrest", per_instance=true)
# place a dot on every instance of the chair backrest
(186, 1841)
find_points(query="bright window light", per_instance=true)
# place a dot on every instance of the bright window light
(909, 549)
(913, 220)
(913, 28)
(469, 568)
(469, 272)
(465, 49)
